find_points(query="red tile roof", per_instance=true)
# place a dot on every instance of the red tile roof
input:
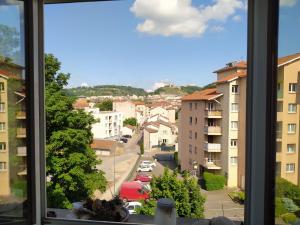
(202, 95)
(150, 130)
(102, 144)
(235, 65)
(9, 74)
(80, 103)
(232, 77)
(283, 60)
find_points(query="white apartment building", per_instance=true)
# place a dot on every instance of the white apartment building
(108, 124)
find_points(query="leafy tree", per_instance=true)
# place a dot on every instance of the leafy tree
(71, 163)
(106, 105)
(130, 121)
(185, 192)
(9, 41)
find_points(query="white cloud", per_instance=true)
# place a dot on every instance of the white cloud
(84, 84)
(217, 29)
(180, 17)
(237, 18)
(159, 84)
(288, 3)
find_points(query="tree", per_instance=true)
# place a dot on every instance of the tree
(130, 121)
(9, 42)
(185, 192)
(71, 163)
(106, 105)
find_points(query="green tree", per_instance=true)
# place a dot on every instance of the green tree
(71, 163)
(185, 192)
(106, 105)
(130, 121)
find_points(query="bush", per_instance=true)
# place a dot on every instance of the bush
(213, 182)
(289, 217)
(237, 196)
(279, 207)
(286, 189)
(289, 205)
(176, 157)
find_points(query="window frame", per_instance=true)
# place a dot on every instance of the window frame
(260, 119)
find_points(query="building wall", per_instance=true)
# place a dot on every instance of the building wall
(4, 155)
(127, 108)
(171, 115)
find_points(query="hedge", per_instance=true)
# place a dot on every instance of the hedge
(213, 182)
(286, 189)
(279, 207)
(289, 218)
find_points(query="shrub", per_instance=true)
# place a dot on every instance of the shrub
(289, 205)
(237, 196)
(286, 189)
(213, 182)
(279, 207)
(289, 217)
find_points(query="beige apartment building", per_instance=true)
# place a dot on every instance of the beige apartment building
(212, 124)
(12, 128)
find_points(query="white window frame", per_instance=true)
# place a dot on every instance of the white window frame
(292, 106)
(288, 148)
(2, 86)
(292, 87)
(2, 126)
(290, 168)
(234, 89)
(233, 160)
(2, 146)
(234, 107)
(2, 106)
(232, 141)
(233, 127)
(3, 166)
(290, 125)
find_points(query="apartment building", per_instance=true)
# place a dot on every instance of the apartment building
(108, 124)
(288, 118)
(211, 126)
(12, 129)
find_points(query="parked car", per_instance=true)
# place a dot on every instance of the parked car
(124, 140)
(144, 168)
(127, 136)
(143, 177)
(133, 191)
(133, 206)
(148, 163)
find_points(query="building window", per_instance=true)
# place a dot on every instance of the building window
(292, 87)
(210, 106)
(279, 106)
(2, 146)
(233, 160)
(234, 125)
(191, 106)
(292, 108)
(195, 150)
(2, 107)
(2, 86)
(196, 120)
(190, 134)
(235, 89)
(2, 166)
(196, 105)
(291, 148)
(191, 120)
(190, 148)
(233, 142)
(2, 126)
(290, 167)
(291, 128)
(196, 135)
(234, 107)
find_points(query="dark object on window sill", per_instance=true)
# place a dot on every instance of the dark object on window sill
(221, 220)
(51, 214)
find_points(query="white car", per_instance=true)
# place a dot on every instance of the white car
(133, 206)
(144, 168)
(147, 162)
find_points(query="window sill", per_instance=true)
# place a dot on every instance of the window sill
(292, 112)
(289, 171)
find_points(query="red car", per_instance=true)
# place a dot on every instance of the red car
(133, 191)
(143, 178)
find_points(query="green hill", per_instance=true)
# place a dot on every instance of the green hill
(173, 90)
(103, 90)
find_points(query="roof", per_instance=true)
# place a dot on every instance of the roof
(206, 94)
(139, 103)
(102, 144)
(129, 126)
(150, 130)
(233, 65)
(232, 77)
(160, 104)
(288, 59)
(80, 103)
(8, 74)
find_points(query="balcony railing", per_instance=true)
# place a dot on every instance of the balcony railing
(213, 113)
(279, 93)
(21, 132)
(212, 147)
(213, 130)
(21, 151)
(22, 170)
(278, 134)
(21, 115)
(212, 164)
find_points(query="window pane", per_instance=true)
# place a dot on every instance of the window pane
(287, 142)
(13, 150)
(180, 89)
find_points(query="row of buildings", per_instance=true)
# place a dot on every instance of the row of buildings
(212, 124)
(13, 152)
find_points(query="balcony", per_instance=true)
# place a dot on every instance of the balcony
(212, 164)
(278, 135)
(212, 147)
(23, 171)
(21, 151)
(21, 132)
(279, 94)
(213, 130)
(213, 113)
(21, 115)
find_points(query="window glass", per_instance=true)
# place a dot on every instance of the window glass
(292, 108)
(291, 128)
(13, 164)
(158, 65)
(291, 148)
